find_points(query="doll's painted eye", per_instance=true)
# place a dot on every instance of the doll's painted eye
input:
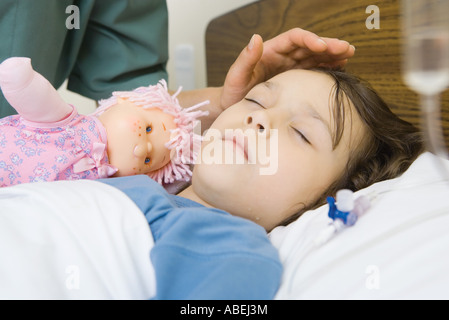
(149, 129)
(147, 160)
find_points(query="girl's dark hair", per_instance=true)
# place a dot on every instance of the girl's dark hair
(387, 150)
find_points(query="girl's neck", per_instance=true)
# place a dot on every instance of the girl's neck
(189, 193)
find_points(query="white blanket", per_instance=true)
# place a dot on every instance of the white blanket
(73, 240)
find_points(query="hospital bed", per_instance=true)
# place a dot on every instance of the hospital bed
(398, 250)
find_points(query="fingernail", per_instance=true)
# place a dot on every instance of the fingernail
(251, 43)
(322, 41)
(353, 47)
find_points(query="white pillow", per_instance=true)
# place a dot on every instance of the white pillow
(398, 250)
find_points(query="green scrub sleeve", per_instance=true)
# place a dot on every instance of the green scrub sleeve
(120, 44)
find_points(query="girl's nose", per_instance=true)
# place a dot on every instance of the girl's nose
(259, 121)
(143, 149)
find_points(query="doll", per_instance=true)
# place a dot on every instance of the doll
(144, 131)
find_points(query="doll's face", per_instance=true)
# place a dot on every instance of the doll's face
(137, 137)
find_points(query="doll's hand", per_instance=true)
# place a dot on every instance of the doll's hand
(295, 48)
(27, 91)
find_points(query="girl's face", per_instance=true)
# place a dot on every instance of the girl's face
(271, 155)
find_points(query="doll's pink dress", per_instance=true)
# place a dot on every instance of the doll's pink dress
(71, 149)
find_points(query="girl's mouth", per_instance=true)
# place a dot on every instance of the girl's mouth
(240, 142)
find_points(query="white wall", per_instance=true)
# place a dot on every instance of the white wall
(188, 20)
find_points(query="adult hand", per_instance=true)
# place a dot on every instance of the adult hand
(296, 48)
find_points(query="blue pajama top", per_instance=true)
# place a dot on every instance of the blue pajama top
(202, 253)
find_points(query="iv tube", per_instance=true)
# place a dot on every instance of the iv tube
(426, 62)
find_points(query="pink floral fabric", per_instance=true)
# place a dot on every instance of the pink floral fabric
(32, 152)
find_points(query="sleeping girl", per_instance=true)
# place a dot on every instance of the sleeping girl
(333, 132)
(144, 131)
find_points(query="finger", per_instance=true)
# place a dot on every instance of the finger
(242, 75)
(338, 47)
(308, 40)
(243, 67)
(338, 50)
(297, 38)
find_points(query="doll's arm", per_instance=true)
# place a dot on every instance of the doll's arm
(27, 91)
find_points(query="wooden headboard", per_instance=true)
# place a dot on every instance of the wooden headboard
(378, 51)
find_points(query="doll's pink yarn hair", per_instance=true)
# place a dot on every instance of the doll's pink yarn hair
(185, 141)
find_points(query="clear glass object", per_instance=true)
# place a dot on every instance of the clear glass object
(425, 29)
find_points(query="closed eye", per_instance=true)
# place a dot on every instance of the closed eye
(255, 101)
(301, 135)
